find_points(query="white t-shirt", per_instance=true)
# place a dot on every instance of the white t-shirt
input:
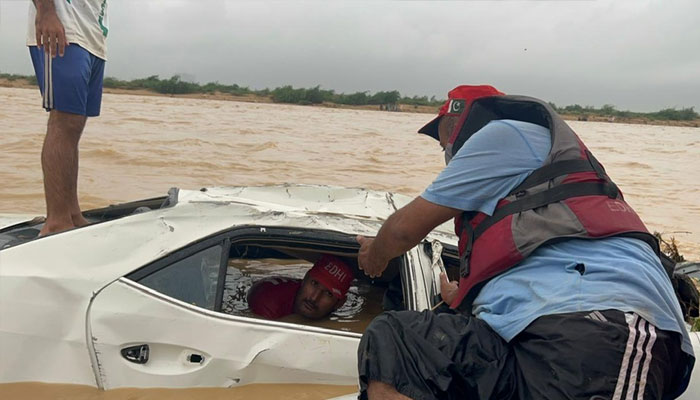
(85, 22)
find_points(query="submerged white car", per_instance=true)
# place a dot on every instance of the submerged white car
(153, 293)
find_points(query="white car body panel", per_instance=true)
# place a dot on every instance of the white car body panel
(8, 220)
(235, 350)
(48, 283)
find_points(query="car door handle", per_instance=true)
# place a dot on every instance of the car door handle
(195, 358)
(136, 354)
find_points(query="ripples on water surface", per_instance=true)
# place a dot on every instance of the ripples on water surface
(141, 146)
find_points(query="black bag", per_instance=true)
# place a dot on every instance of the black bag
(686, 292)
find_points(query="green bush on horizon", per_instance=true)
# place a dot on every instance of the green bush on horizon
(316, 95)
(16, 77)
(288, 94)
(608, 110)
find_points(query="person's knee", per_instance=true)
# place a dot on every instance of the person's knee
(382, 318)
(383, 322)
(388, 324)
(66, 126)
(382, 326)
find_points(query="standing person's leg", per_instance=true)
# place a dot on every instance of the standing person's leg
(71, 87)
(59, 162)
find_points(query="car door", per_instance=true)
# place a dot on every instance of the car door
(161, 328)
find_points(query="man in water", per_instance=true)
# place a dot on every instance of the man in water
(561, 292)
(71, 85)
(322, 291)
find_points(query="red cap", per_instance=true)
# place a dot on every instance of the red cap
(334, 274)
(459, 99)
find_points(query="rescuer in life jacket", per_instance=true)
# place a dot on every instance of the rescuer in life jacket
(322, 291)
(561, 295)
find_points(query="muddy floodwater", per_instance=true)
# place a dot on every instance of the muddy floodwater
(37, 391)
(143, 145)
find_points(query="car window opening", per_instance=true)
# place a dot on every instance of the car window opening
(250, 263)
(217, 274)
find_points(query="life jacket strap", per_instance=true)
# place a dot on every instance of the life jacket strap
(553, 195)
(554, 170)
(464, 257)
(597, 166)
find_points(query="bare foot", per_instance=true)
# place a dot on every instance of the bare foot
(51, 227)
(36, 221)
(79, 220)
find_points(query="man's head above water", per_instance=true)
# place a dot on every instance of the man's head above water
(324, 288)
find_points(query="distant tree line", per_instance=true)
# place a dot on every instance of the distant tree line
(609, 111)
(284, 94)
(16, 77)
(316, 95)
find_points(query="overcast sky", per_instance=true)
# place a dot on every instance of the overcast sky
(639, 55)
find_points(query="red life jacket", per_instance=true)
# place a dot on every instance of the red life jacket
(570, 196)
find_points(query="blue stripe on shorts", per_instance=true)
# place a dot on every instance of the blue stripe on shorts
(72, 83)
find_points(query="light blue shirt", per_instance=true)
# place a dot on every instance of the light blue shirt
(620, 273)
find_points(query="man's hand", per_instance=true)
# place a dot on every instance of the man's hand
(50, 33)
(367, 261)
(403, 230)
(448, 290)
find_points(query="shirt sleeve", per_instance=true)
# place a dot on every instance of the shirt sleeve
(273, 298)
(491, 163)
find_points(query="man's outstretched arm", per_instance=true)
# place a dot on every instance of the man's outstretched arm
(402, 230)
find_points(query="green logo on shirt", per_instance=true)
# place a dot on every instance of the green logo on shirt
(101, 19)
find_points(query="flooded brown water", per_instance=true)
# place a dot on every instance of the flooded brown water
(143, 145)
(43, 391)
